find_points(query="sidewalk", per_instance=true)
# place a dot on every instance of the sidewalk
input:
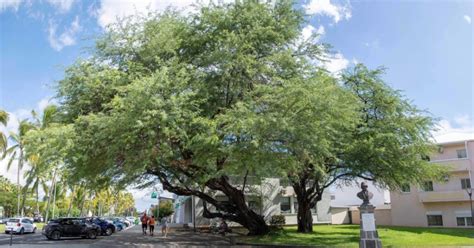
(132, 237)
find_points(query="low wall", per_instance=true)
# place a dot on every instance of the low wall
(383, 215)
(340, 216)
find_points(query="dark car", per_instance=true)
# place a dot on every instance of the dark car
(106, 227)
(71, 227)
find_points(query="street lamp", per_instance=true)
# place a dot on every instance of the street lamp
(469, 192)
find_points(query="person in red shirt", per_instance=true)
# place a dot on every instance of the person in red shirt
(151, 224)
(144, 220)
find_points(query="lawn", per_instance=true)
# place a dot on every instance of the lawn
(348, 236)
(39, 226)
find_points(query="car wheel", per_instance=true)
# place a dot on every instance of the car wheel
(34, 230)
(92, 235)
(56, 235)
(6, 232)
(108, 231)
(22, 231)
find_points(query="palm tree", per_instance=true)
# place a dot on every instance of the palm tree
(17, 152)
(38, 173)
(3, 137)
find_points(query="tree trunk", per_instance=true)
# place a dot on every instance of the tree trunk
(70, 202)
(48, 205)
(307, 197)
(54, 199)
(20, 165)
(24, 192)
(305, 217)
(37, 198)
(235, 210)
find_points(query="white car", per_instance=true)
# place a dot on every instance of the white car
(131, 219)
(20, 226)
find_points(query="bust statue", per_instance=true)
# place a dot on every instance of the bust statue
(365, 195)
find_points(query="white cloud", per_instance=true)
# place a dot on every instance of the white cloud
(467, 18)
(43, 103)
(67, 38)
(308, 31)
(62, 5)
(335, 63)
(110, 10)
(460, 128)
(6, 4)
(325, 7)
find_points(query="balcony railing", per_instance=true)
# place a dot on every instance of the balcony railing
(444, 196)
(455, 164)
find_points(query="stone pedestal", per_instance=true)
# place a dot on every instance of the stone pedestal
(369, 237)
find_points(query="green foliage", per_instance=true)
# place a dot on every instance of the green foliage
(229, 91)
(165, 209)
(8, 196)
(392, 137)
(278, 221)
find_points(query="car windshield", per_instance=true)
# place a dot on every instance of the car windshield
(14, 220)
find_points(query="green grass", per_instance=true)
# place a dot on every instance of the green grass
(39, 226)
(348, 236)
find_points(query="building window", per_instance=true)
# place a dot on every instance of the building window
(461, 153)
(465, 183)
(295, 205)
(405, 188)
(435, 220)
(285, 206)
(464, 221)
(428, 186)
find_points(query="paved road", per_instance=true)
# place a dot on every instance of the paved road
(128, 238)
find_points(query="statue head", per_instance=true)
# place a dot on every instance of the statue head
(363, 186)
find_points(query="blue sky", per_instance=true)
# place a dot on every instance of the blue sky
(427, 47)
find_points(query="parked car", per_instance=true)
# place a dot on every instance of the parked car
(119, 226)
(125, 221)
(106, 227)
(131, 219)
(38, 219)
(70, 227)
(4, 220)
(20, 226)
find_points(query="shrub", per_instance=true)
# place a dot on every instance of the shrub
(277, 221)
(166, 209)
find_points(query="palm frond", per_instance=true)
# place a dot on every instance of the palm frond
(10, 162)
(4, 117)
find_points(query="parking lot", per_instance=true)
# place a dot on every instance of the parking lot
(131, 237)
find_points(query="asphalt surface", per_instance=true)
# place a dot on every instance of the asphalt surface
(131, 237)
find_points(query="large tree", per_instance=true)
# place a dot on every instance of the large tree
(360, 129)
(153, 99)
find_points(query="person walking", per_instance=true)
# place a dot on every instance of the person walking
(164, 226)
(144, 220)
(151, 224)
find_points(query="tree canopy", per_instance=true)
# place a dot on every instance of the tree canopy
(199, 100)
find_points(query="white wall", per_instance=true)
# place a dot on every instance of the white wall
(347, 195)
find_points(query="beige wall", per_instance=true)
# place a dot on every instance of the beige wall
(340, 216)
(447, 197)
(383, 216)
